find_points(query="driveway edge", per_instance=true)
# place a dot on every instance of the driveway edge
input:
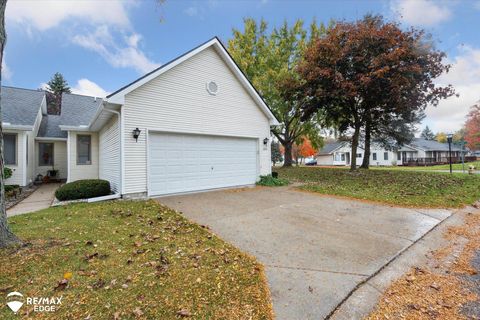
(361, 301)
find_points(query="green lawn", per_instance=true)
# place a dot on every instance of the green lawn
(404, 188)
(130, 260)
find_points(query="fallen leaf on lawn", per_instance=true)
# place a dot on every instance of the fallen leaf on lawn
(137, 312)
(116, 316)
(61, 285)
(184, 313)
(67, 275)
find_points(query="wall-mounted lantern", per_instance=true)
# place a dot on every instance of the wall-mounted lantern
(136, 134)
(265, 141)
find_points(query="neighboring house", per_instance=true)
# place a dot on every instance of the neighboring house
(339, 154)
(418, 152)
(196, 123)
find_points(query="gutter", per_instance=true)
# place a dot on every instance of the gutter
(7, 125)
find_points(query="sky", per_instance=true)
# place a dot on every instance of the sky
(99, 46)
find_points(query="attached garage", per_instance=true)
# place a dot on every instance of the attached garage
(179, 163)
(200, 125)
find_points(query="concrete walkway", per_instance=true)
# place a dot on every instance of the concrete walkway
(40, 199)
(316, 250)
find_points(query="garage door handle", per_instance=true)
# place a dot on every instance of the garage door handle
(212, 168)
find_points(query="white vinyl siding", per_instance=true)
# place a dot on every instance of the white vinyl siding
(83, 171)
(59, 160)
(177, 101)
(109, 153)
(32, 154)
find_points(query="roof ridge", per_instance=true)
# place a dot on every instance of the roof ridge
(36, 90)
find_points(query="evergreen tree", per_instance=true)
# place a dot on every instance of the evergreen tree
(427, 134)
(55, 87)
(58, 85)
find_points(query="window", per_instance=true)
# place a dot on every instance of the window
(399, 156)
(374, 155)
(385, 156)
(359, 155)
(10, 148)
(343, 156)
(84, 149)
(45, 154)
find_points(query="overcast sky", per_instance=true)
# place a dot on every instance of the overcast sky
(101, 45)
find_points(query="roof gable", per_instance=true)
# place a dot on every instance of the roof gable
(21, 106)
(118, 97)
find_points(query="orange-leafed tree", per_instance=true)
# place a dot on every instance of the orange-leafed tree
(472, 128)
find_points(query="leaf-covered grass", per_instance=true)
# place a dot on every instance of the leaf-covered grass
(404, 188)
(130, 260)
(270, 181)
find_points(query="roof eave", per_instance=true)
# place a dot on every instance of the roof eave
(19, 127)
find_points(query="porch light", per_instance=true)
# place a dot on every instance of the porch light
(136, 134)
(265, 141)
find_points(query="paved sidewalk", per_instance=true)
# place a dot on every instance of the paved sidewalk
(40, 199)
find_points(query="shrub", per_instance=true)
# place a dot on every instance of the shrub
(11, 187)
(7, 173)
(83, 189)
(270, 181)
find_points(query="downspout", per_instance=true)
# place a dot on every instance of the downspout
(120, 185)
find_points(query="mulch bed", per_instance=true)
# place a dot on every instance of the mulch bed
(26, 191)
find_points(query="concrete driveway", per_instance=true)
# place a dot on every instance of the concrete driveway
(315, 249)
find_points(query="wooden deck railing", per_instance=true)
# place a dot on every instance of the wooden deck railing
(435, 161)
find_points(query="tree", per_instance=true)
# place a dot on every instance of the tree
(441, 137)
(7, 238)
(55, 88)
(269, 61)
(427, 134)
(275, 151)
(472, 128)
(371, 75)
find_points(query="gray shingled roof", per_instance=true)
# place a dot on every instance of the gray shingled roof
(78, 110)
(431, 145)
(330, 147)
(20, 106)
(49, 127)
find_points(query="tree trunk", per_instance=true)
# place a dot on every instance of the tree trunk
(356, 134)
(7, 238)
(288, 160)
(368, 133)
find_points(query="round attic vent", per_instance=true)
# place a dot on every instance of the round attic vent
(212, 88)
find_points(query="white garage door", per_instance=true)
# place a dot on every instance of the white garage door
(182, 163)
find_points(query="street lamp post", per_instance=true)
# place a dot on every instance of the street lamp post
(449, 139)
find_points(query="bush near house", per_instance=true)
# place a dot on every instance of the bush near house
(83, 189)
(7, 173)
(270, 181)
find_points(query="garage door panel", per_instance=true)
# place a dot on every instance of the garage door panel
(183, 163)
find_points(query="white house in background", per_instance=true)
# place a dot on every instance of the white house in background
(418, 152)
(339, 154)
(196, 123)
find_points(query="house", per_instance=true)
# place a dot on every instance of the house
(422, 151)
(196, 123)
(417, 152)
(339, 154)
